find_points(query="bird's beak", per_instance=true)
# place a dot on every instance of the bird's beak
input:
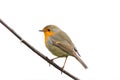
(41, 30)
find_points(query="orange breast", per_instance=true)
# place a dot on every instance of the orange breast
(47, 35)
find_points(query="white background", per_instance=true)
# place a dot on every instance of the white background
(93, 25)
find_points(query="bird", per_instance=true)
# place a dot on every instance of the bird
(60, 44)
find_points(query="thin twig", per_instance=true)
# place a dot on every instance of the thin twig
(36, 51)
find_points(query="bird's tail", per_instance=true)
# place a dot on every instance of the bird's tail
(81, 61)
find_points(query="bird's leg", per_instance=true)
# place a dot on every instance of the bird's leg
(64, 64)
(54, 59)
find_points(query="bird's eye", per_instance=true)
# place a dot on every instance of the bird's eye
(48, 30)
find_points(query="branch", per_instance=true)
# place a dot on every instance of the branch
(36, 51)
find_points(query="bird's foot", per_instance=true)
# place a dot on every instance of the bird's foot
(62, 69)
(51, 61)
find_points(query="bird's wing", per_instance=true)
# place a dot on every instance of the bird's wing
(66, 37)
(77, 51)
(62, 41)
(65, 46)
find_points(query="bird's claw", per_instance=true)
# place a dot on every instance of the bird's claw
(51, 61)
(62, 69)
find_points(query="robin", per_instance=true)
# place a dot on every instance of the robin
(59, 44)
